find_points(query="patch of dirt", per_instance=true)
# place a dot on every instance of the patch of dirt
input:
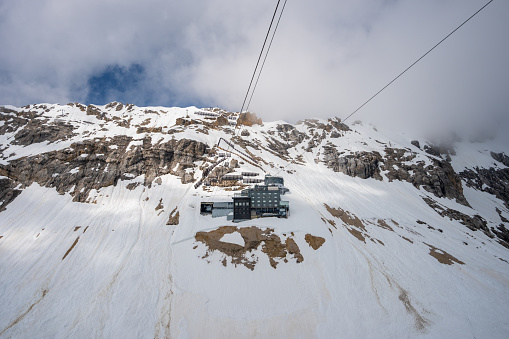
(356, 234)
(174, 217)
(442, 256)
(410, 241)
(160, 205)
(132, 185)
(346, 217)
(271, 244)
(420, 321)
(70, 248)
(384, 225)
(314, 242)
(332, 222)
(355, 226)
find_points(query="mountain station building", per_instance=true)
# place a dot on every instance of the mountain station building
(256, 202)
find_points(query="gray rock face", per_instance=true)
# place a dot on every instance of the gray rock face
(473, 223)
(290, 134)
(361, 164)
(12, 121)
(8, 192)
(491, 180)
(439, 178)
(30, 128)
(36, 131)
(97, 163)
(444, 148)
(500, 157)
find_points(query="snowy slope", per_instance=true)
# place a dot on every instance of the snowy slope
(110, 266)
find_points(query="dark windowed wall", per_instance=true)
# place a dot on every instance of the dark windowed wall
(241, 208)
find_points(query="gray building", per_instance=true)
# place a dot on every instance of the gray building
(259, 201)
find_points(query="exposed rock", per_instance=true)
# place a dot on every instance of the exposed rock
(271, 244)
(439, 178)
(504, 219)
(234, 163)
(248, 119)
(8, 192)
(245, 133)
(36, 131)
(220, 121)
(502, 233)
(442, 256)
(445, 148)
(361, 164)
(336, 122)
(416, 143)
(101, 162)
(174, 217)
(314, 242)
(500, 157)
(12, 121)
(473, 223)
(493, 181)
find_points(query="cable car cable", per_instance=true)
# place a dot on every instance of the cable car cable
(267, 53)
(393, 80)
(429, 51)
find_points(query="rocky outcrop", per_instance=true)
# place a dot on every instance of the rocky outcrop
(290, 134)
(361, 164)
(248, 119)
(438, 178)
(491, 180)
(11, 120)
(473, 223)
(278, 250)
(500, 157)
(36, 131)
(8, 192)
(93, 164)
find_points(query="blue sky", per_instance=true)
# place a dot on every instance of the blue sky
(327, 58)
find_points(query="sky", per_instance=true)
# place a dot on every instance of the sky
(327, 58)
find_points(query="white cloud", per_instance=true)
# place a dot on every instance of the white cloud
(327, 57)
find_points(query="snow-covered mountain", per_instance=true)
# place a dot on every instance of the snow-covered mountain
(389, 235)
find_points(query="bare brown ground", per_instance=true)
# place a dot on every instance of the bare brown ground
(174, 217)
(314, 242)
(76, 228)
(442, 256)
(346, 217)
(356, 234)
(410, 241)
(160, 205)
(332, 222)
(384, 225)
(253, 236)
(420, 321)
(70, 248)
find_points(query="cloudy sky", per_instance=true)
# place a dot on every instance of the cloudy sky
(327, 58)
